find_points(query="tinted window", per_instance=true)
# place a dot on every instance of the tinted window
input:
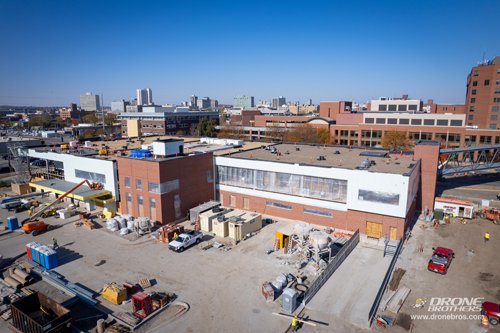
(429, 122)
(442, 122)
(455, 123)
(412, 107)
(392, 121)
(392, 107)
(380, 120)
(404, 121)
(382, 107)
(369, 120)
(416, 121)
(402, 107)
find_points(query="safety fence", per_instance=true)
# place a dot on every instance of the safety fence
(332, 267)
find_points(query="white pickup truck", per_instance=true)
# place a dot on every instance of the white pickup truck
(183, 241)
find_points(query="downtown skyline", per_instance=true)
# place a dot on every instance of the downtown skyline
(359, 50)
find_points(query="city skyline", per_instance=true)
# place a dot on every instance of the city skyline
(327, 51)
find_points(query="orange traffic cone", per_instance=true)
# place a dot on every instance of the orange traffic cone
(484, 321)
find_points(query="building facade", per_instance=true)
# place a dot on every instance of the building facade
(118, 107)
(144, 96)
(278, 101)
(244, 102)
(403, 104)
(332, 108)
(164, 189)
(90, 102)
(482, 102)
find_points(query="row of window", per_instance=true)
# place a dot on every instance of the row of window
(161, 188)
(492, 117)
(398, 107)
(306, 209)
(416, 121)
(140, 200)
(486, 83)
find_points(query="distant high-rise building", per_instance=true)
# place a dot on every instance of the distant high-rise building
(244, 102)
(278, 101)
(193, 102)
(90, 102)
(144, 96)
(310, 102)
(73, 107)
(482, 102)
(204, 103)
(214, 104)
(119, 106)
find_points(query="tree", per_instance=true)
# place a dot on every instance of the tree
(206, 127)
(323, 136)
(307, 134)
(110, 119)
(231, 132)
(89, 118)
(396, 140)
(180, 133)
(39, 120)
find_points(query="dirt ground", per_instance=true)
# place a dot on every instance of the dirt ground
(474, 273)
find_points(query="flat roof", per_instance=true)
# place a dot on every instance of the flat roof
(84, 192)
(347, 158)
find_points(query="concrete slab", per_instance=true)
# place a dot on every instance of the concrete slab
(349, 293)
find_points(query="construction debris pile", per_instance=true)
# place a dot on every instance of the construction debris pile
(127, 224)
(12, 288)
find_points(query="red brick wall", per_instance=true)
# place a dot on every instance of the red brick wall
(349, 220)
(429, 156)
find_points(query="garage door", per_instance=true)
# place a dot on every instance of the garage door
(374, 229)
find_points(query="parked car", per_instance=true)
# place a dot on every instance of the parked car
(440, 260)
(492, 311)
(183, 241)
(11, 204)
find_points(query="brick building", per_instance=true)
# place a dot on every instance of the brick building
(482, 101)
(164, 187)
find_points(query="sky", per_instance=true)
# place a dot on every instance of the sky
(53, 51)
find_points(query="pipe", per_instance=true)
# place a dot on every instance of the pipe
(18, 278)
(22, 274)
(13, 283)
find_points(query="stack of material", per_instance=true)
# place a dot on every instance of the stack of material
(114, 293)
(112, 224)
(396, 301)
(268, 291)
(89, 224)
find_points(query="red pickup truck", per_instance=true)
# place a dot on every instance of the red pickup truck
(440, 260)
(492, 311)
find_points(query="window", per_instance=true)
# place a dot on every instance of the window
(473, 100)
(232, 201)
(474, 83)
(412, 107)
(128, 197)
(392, 107)
(246, 203)
(382, 107)
(392, 121)
(127, 182)
(380, 197)
(152, 203)
(153, 187)
(169, 186)
(90, 176)
(455, 123)
(497, 82)
(139, 200)
(497, 91)
(471, 109)
(210, 176)
(277, 205)
(474, 91)
(402, 107)
(486, 82)
(369, 120)
(494, 117)
(496, 100)
(416, 121)
(494, 108)
(476, 72)
(485, 139)
(429, 122)
(442, 122)
(317, 212)
(380, 120)
(471, 117)
(138, 184)
(493, 126)
(404, 121)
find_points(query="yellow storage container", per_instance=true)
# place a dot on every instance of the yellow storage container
(114, 293)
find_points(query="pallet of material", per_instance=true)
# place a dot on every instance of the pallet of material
(128, 318)
(89, 224)
(396, 301)
(7, 315)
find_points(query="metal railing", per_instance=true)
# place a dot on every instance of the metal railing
(332, 267)
(376, 302)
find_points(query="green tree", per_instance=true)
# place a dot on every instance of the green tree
(206, 127)
(307, 134)
(90, 118)
(396, 140)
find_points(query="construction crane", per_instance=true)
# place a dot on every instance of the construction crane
(35, 215)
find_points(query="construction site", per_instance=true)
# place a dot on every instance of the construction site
(167, 234)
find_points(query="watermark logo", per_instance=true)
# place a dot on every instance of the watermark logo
(455, 304)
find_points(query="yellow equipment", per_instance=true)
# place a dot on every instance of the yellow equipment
(103, 152)
(114, 293)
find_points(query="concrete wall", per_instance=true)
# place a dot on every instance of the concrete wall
(72, 162)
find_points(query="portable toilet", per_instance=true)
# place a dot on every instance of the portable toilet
(289, 300)
(51, 259)
(28, 250)
(42, 250)
(35, 256)
(12, 223)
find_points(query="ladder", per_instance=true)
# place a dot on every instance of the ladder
(276, 244)
(289, 246)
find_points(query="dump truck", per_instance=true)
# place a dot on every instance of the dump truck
(183, 241)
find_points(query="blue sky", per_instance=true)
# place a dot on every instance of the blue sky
(53, 51)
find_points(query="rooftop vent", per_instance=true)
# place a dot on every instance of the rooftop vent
(297, 148)
(365, 164)
(337, 152)
(374, 153)
(321, 158)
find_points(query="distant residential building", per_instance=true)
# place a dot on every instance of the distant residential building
(119, 106)
(144, 96)
(203, 103)
(90, 102)
(402, 104)
(245, 102)
(278, 101)
(482, 101)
